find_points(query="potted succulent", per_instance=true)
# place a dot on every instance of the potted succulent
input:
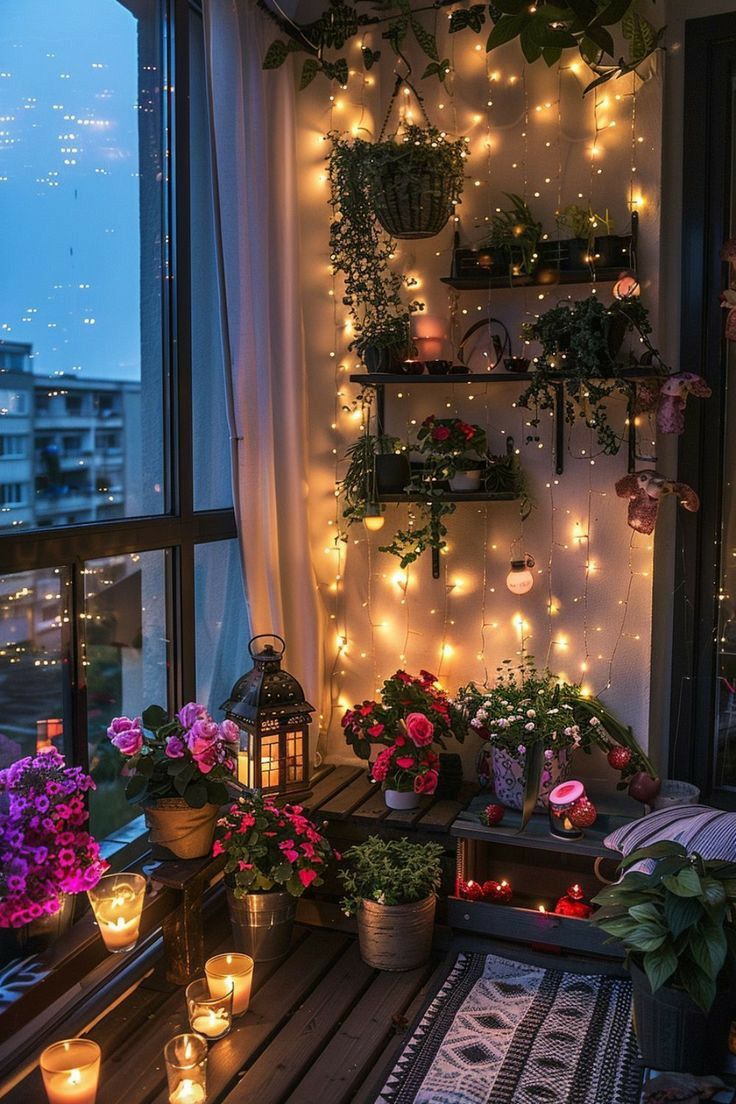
(177, 768)
(272, 855)
(46, 853)
(676, 918)
(391, 886)
(531, 723)
(580, 341)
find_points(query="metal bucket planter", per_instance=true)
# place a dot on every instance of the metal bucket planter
(673, 1033)
(508, 776)
(396, 937)
(262, 923)
(38, 935)
(175, 830)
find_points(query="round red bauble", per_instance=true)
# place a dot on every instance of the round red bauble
(490, 889)
(567, 907)
(504, 893)
(583, 814)
(643, 787)
(472, 891)
(492, 815)
(619, 758)
(575, 892)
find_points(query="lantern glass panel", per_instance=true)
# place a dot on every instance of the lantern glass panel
(295, 756)
(270, 765)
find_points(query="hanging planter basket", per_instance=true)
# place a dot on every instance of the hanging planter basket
(412, 207)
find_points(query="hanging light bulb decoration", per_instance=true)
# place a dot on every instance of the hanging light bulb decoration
(520, 579)
(373, 518)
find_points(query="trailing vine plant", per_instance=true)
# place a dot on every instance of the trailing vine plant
(580, 341)
(544, 30)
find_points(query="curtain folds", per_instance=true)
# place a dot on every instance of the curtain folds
(253, 129)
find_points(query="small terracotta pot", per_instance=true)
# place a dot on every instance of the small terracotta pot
(176, 831)
(396, 937)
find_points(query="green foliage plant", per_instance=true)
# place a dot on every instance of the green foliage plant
(580, 340)
(390, 872)
(357, 488)
(516, 232)
(583, 222)
(677, 922)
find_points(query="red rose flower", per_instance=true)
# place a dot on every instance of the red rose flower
(440, 433)
(426, 783)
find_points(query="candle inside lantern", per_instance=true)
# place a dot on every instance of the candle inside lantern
(117, 900)
(231, 971)
(70, 1071)
(243, 768)
(186, 1069)
(210, 1015)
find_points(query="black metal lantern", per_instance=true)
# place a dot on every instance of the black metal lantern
(268, 706)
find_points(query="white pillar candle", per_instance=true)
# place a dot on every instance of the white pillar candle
(70, 1071)
(231, 971)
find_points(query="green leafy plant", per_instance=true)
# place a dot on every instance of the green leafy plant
(583, 222)
(516, 232)
(357, 488)
(580, 341)
(544, 30)
(677, 922)
(390, 872)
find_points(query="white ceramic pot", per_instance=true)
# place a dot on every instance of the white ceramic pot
(466, 481)
(401, 799)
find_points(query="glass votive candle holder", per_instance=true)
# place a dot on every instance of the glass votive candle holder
(186, 1069)
(225, 971)
(210, 1016)
(70, 1071)
(117, 900)
(562, 799)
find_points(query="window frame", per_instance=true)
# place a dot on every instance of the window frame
(182, 528)
(710, 61)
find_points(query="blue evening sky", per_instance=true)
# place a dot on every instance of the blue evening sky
(69, 200)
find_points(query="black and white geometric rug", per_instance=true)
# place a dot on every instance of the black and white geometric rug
(503, 1032)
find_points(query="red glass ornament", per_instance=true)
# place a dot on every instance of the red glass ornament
(490, 889)
(575, 892)
(567, 907)
(583, 813)
(504, 893)
(492, 815)
(619, 758)
(471, 890)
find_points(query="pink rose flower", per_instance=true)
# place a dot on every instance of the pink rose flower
(175, 747)
(126, 735)
(420, 729)
(206, 760)
(426, 783)
(230, 732)
(190, 713)
(202, 736)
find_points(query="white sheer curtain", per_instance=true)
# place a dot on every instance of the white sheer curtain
(254, 158)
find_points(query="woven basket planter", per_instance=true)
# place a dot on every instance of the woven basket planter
(396, 937)
(412, 207)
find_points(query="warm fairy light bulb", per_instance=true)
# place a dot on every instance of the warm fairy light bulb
(520, 579)
(373, 518)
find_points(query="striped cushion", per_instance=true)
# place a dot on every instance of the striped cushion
(710, 832)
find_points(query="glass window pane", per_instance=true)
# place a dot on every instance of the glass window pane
(80, 306)
(221, 614)
(31, 671)
(126, 664)
(210, 433)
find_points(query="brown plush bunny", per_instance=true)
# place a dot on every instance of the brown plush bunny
(644, 490)
(672, 398)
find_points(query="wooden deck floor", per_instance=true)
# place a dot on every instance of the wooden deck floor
(319, 1028)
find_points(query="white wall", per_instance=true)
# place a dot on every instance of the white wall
(608, 620)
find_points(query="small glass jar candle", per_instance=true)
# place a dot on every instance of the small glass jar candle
(210, 1016)
(117, 900)
(561, 800)
(70, 1071)
(186, 1069)
(225, 971)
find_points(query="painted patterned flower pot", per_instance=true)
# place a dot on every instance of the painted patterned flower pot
(508, 776)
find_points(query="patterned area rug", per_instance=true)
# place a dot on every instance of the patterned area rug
(503, 1032)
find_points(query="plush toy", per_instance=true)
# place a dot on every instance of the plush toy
(644, 490)
(672, 398)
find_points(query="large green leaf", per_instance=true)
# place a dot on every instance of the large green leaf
(425, 38)
(700, 987)
(136, 789)
(507, 28)
(530, 44)
(645, 912)
(613, 12)
(639, 33)
(681, 913)
(685, 884)
(602, 38)
(708, 947)
(714, 892)
(659, 850)
(196, 795)
(647, 937)
(534, 761)
(154, 717)
(310, 69)
(660, 965)
(276, 55)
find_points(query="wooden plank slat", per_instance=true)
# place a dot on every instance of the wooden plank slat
(408, 818)
(359, 1044)
(372, 810)
(284, 1062)
(328, 786)
(346, 801)
(444, 812)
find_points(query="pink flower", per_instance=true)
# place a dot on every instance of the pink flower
(202, 736)
(420, 729)
(440, 433)
(217, 848)
(306, 877)
(426, 783)
(230, 732)
(207, 759)
(406, 762)
(190, 713)
(126, 735)
(375, 731)
(175, 747)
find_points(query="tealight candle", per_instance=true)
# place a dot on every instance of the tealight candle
(117, 900)
(209, 1015)
(186, 1069)
(70, 1071)
(231, 971)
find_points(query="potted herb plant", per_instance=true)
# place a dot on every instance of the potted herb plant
(676, 918)
(46, 853)
(513, 237)
(580, 341)
(177, 768)
(579, 252)
(531, 723)
(391, 886)
(272, 855)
